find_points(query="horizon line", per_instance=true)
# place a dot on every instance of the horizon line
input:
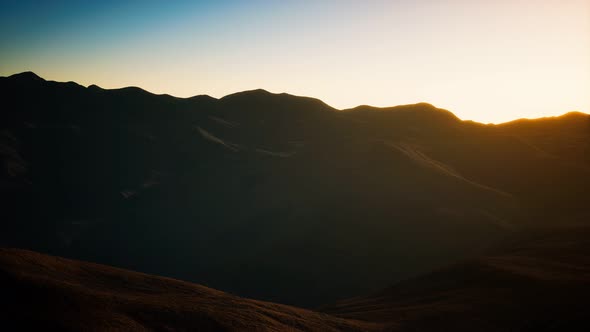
(566, 113)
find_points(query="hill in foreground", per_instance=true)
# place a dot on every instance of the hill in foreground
(41, 292)
(538, 280)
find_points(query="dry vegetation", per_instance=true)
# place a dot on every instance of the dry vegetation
(535, 281)
(47, 292)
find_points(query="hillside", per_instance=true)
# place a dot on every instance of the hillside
(41, 292)
(273, 196)
(538, 280)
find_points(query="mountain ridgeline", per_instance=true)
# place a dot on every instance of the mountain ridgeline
(273, 196)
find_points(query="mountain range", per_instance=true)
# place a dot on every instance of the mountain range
(278, 197)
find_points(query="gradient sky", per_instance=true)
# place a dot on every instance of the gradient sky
(489, 61)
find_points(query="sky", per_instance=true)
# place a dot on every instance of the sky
(488, 61)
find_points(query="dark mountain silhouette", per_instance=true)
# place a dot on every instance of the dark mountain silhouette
(273, 196)
(535, 280)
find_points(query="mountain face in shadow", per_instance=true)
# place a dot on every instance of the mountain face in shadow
(273, 196)
(535, 280)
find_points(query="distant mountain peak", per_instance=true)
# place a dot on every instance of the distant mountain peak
(418, 109)
(134, 90)
(27, 75)
(202, 98)
(421, 105)
(575, 114)
(425, 105)
(283, 100)
(249, 93)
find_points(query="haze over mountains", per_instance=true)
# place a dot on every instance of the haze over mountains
(273, 196)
